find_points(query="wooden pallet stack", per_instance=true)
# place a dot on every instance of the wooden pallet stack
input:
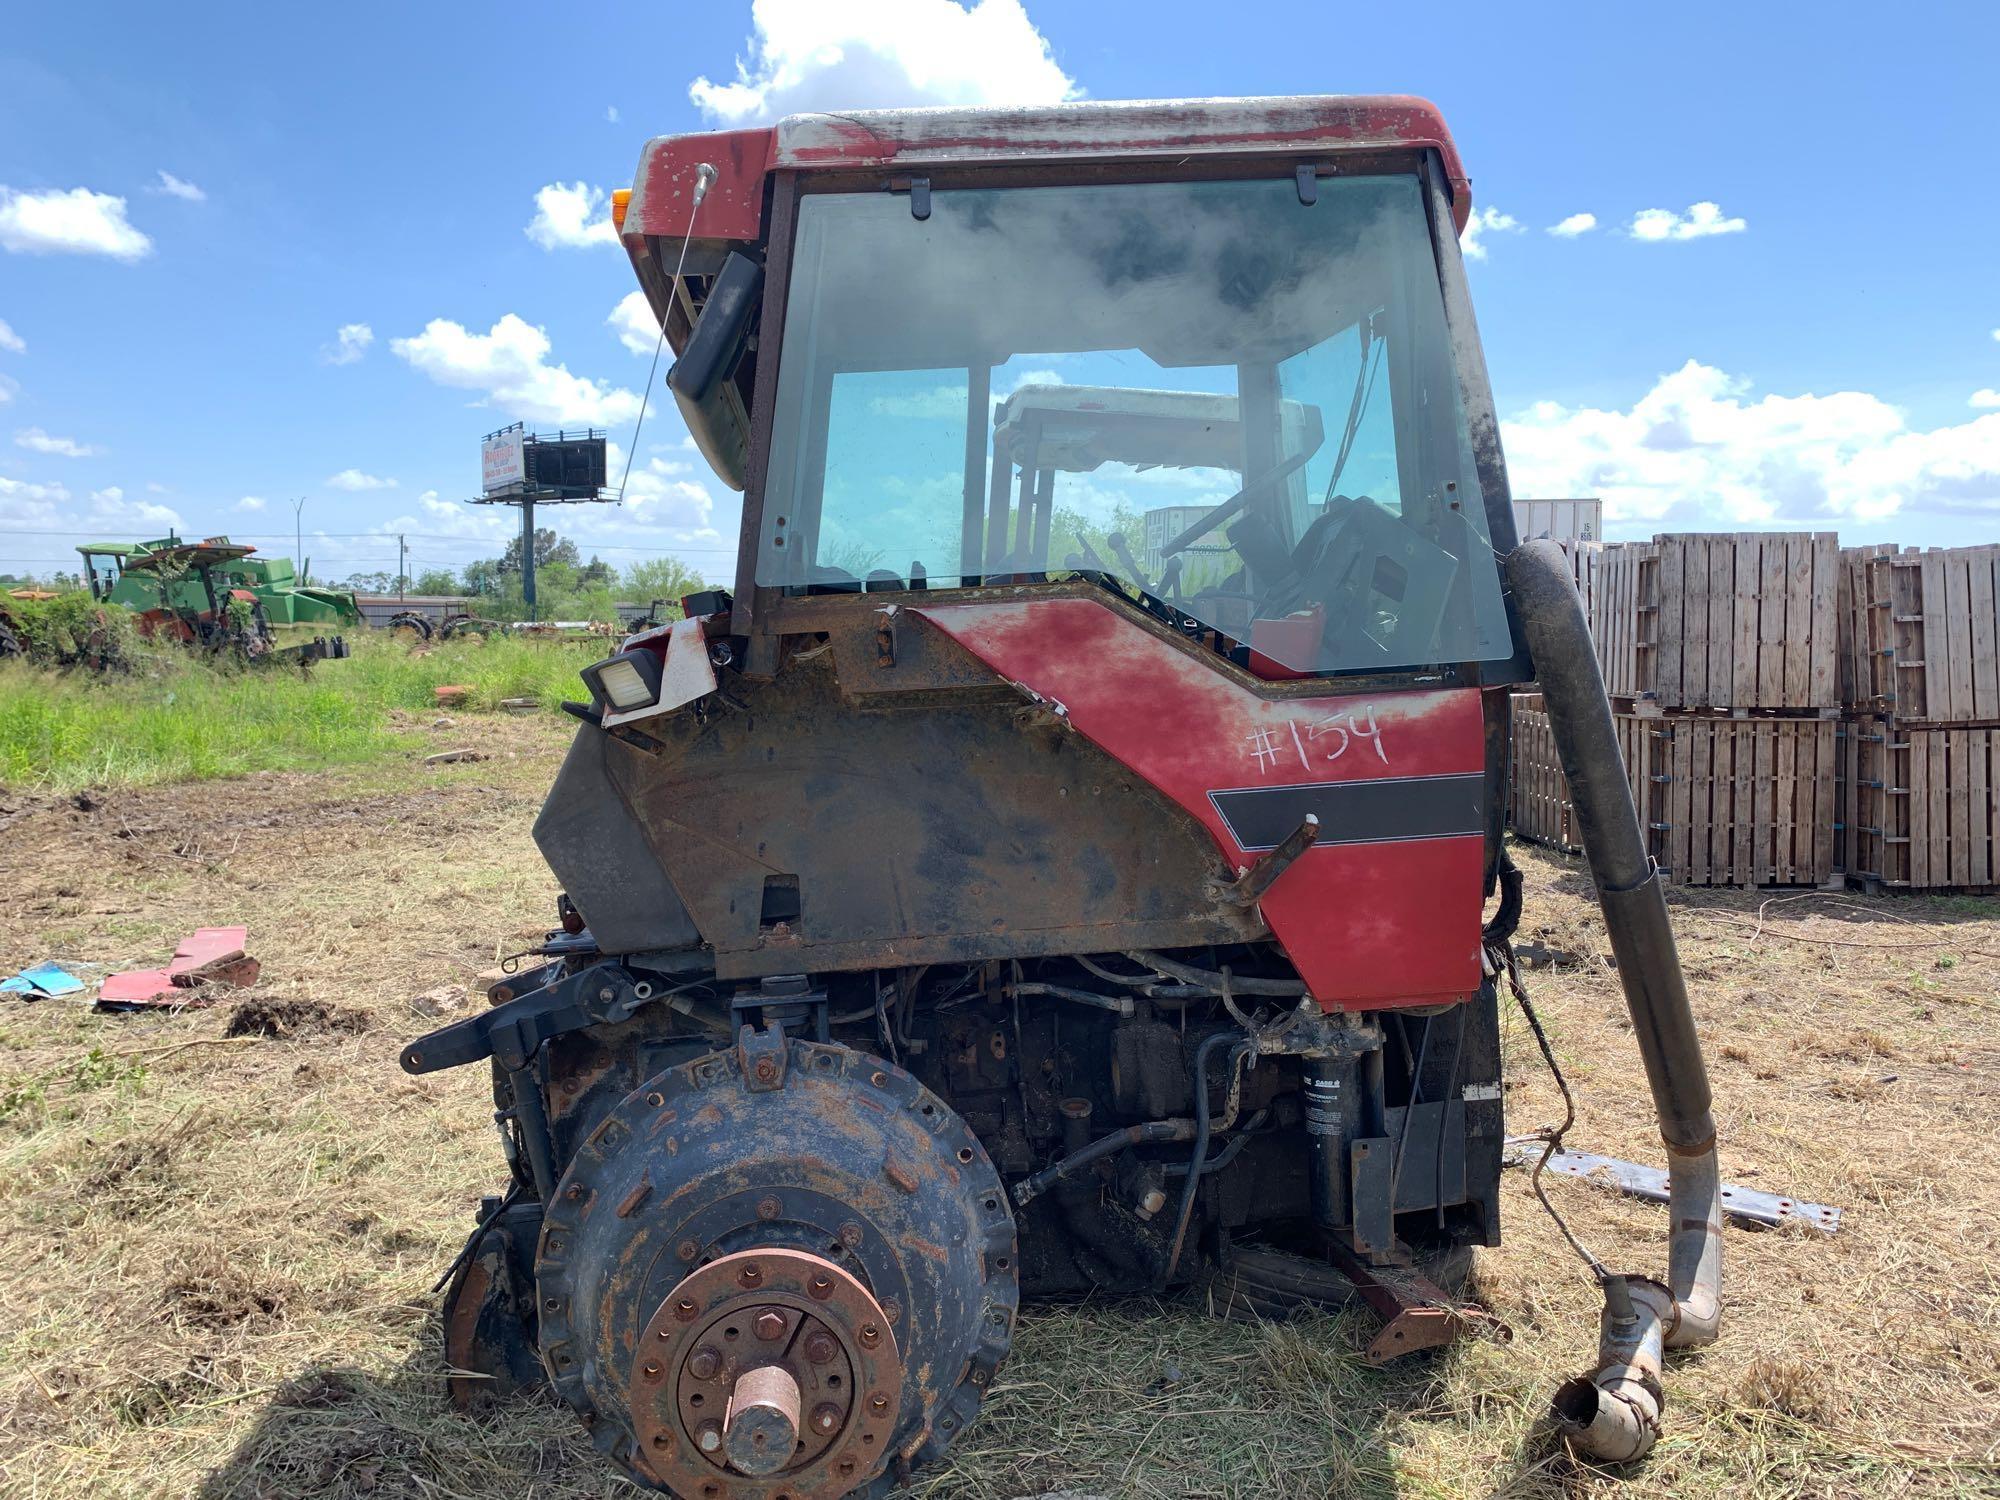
(1721, 623)
(1540, 809)
(1924, 797)
(1723, 800)
(1719, 653)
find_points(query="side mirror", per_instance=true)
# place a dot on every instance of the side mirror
(719, 333)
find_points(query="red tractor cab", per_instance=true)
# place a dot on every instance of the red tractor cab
(1068, 858)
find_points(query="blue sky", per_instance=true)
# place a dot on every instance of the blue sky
(287, 172)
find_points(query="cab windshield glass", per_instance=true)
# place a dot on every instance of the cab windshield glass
(1211, 392)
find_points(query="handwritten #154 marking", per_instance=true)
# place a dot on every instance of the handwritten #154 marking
(1324, 740)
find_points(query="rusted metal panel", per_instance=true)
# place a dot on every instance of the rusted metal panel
(931, 827)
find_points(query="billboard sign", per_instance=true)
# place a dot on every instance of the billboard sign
(503, 460)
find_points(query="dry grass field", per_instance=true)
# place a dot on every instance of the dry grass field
(216, 1249)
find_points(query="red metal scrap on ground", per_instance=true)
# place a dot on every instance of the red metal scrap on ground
(138, 988)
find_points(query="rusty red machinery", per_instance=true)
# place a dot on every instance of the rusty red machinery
(1068, 858)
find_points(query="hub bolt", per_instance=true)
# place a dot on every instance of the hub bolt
(870, 1335)
(750, 1275)
(709, 1436)
(689, 1249)
(652, 1369)
(770, 1326)
(705, 1363)
(768, 1208)
(850, 1235)
(826, 1417)
(820, 1286)
(878, 1404)
(821, 1349)
(684, 1310)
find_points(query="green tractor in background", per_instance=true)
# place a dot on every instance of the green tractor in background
(109, 572)
(195, 604)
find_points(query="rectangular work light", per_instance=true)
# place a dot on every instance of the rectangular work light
(629, 680)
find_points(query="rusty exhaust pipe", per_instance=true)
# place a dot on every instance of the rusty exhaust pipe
(1613, 1413)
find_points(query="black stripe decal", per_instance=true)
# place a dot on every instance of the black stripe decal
(1390, 810)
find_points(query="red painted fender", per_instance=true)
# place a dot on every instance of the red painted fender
(1385, 909)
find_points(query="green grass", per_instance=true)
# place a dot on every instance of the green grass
(177, 719)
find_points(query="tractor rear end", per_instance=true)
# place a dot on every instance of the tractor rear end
(1067, 861)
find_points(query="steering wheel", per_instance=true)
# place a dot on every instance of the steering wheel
(1214, 518)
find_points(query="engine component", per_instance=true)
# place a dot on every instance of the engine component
(785, 1322)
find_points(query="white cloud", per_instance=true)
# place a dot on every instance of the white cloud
(250, 502)
(1700, 221)
(611, 113)
(179, 187)
(10, 340)
(809, 55)
(482, 523)
(21, 489)
(657, 501)
(1574, 225)
(1027, 378)
(1696, 451)
(355, 480)
(509, 367)
(569, 216)
(349, 344)
(78, 222)
(1986, 400)
(52, 507)
(1485, 221)
(633, 321)
(7, 389)
(937, 401)
(37, 441)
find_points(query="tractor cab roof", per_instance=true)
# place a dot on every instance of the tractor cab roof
(187, 555)
(1078, 428)
(1304, 126)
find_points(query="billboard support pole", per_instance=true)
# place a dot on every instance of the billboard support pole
(528, 555)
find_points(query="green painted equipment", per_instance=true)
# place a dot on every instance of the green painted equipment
(107, 567)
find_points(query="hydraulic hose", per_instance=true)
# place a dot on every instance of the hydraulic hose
(1198, 1162)
(1635, 914)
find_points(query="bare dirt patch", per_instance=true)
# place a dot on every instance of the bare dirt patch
(292, 1019)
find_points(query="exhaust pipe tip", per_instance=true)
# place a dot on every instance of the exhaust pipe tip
(1614, 1425)
(1612, 1415)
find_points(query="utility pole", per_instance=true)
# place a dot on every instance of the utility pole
(298, 534)
(402, 567)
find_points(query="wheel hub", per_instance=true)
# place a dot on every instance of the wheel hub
(763, 1364)
(785, 1271)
